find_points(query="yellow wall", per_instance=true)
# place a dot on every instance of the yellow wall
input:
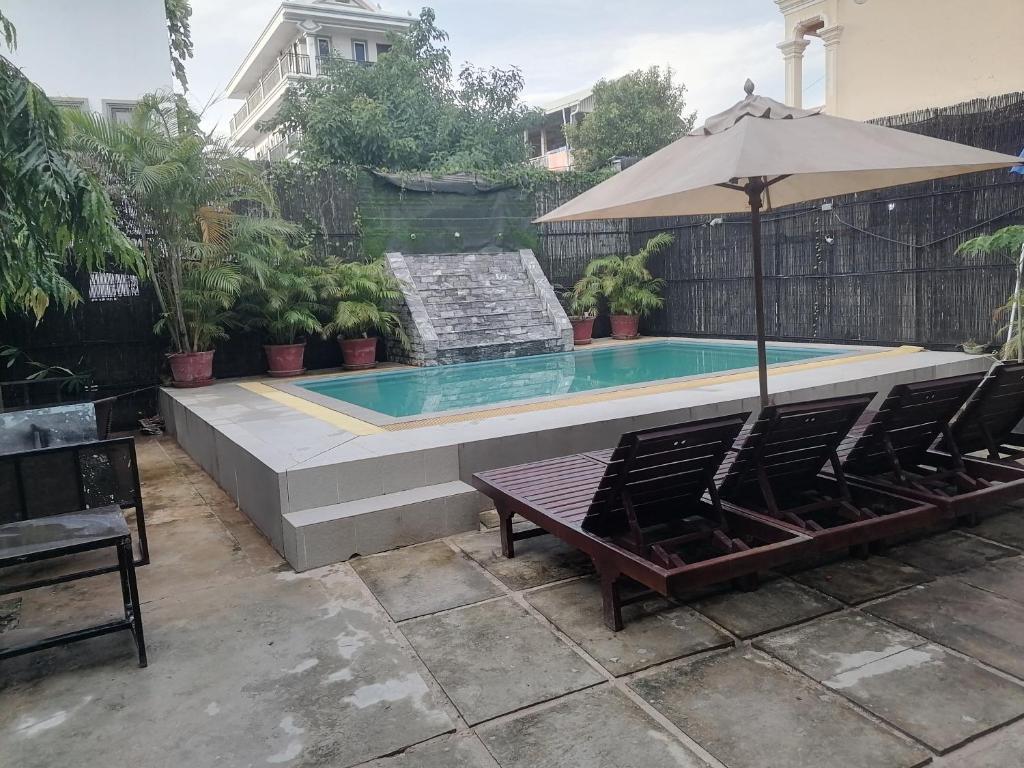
(892, 56)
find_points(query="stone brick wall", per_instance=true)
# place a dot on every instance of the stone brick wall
(461, 307)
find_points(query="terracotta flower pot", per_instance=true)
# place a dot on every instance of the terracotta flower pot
(582, 330)
(625, 326)
(191, 369)
(285, 359)
(359, 353)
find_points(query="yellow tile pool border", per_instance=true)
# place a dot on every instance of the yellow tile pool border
(360, 427)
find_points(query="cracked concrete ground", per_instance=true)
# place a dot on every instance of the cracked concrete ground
(447, 654)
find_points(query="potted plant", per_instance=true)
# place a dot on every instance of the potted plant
(206, 217)
(581, 306)
(628, 286)
(364, 293)
(282, 302)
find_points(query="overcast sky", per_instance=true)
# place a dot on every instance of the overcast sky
(561, 46)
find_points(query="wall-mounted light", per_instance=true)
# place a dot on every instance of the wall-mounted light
(826, 206)
(716, 221)
(892, 206)
(829, 239)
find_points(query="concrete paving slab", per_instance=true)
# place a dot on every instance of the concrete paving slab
(272, 670)
(749, 713)
(1004, 577)
(977, 623)
(949, 552)
(938, 698)
(655, 630)
(495, 658)
(837, 644)
(423, 579)
(997, 750)
(599, 727)
(538, 561)
(855, 581)
(458, 750)
(771, 606)
(1006, 528)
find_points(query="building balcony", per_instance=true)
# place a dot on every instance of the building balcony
(285, 65)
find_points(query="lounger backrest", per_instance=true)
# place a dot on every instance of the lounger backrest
(663, 471)
(788, 446)
(911, 417)
(996, 406)
(68, 478)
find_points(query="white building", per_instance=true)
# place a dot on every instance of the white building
(548, 146)
(301, 40)
(98, 56)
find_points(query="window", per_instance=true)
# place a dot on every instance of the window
(359, 49)
(110, 286)
(323, 47)
(119, 111)
(82, 105)
(383, 48)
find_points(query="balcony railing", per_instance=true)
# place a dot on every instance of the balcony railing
(280, 149)
(287, 64)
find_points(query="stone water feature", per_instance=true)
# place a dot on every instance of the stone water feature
(464, 307)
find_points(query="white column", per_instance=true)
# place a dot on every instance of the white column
(830, 37)
(314, 64)
(793, 53)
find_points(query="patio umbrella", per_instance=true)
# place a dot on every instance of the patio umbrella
(760, 153)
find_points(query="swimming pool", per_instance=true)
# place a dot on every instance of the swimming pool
(415, 392)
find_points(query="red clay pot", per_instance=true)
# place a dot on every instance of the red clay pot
(625, 326)
(191, 369)
(285, 359)
(582, 330)
(359, 353)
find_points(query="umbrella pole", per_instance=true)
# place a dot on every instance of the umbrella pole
(754, 189)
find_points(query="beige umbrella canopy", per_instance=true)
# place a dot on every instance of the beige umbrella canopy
(760, 153)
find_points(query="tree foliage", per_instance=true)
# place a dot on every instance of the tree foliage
(634, 116)
(206, 214)
(179, 30)
(405, 113)
(1007, 242)
(53, 215)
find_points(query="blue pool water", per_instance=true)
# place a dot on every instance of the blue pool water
(451, 387)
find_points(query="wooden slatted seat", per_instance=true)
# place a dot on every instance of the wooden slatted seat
(647, 510)
(993, 411)
(895, 453)
(777, 472)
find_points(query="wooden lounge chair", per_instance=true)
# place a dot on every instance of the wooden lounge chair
(993, 411)
(777, 472)
(894, 452)
(640, 512)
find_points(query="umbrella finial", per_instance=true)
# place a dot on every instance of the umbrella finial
(748, 87)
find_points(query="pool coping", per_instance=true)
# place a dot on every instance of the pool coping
(294, 388)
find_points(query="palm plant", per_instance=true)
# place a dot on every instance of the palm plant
(1009, 243)
(582, 301)
(625, 281)
(362, 294)
(285, 302)
(206, 214)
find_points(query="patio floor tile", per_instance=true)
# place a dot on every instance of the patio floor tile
(1006, 528)
(459, 750)
(949, 552)
(749, 713)
(938, 698)
(495, 658)
(537, 562)
(977, 623)
(599, 727)
(275, 669)
(655, 630)
(415, 581)
(854, 580)
(774, 605)
(999, 750)
(1004, 577)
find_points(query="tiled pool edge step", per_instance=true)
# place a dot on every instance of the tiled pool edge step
(326, 535)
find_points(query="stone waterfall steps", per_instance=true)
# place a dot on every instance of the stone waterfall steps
(482, 306)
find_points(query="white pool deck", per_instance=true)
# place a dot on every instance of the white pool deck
(322, 493)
